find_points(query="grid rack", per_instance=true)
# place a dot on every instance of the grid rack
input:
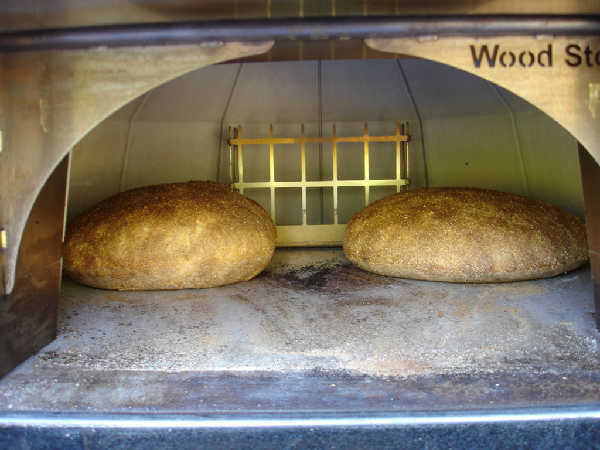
(321, 234)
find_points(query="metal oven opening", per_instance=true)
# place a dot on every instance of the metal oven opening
(311, 310)
(313, 141)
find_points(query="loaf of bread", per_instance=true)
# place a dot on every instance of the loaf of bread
(465, 235)
(170, 236)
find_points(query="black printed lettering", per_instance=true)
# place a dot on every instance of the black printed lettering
(513, 59)
(526, 59)
(574, 58)
(495, 56)
(548, 54)
(484, 52)
(588, 54)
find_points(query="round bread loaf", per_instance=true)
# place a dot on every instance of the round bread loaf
(170, 236)
(465, 235)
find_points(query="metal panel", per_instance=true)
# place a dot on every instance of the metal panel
(590, 179)
(28, 314)
(296, 29)
(558, 74)
(533, 428)
(19, 15)
(551, 164)
(259, 94)
(96, 165)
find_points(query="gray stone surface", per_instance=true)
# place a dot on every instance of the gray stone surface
(310, 311)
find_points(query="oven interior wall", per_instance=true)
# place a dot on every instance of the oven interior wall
(465, 131)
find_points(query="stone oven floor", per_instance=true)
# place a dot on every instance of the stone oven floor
(313, 331)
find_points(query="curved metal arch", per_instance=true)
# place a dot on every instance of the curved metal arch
(560, 75)
(50, 100)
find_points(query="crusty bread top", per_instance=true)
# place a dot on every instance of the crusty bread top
(195, 234)
(151, 200)
(465, 234)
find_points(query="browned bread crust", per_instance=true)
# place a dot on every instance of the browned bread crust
(170, 236)
(465, 235)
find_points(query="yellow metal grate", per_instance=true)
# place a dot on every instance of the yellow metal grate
(325, 234)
